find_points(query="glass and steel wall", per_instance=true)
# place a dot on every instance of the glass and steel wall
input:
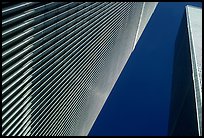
(186, 99)
(60, 61)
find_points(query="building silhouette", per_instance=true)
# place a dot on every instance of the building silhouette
(186, 99)
(61, 60)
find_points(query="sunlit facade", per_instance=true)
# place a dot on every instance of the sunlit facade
(186, 99)
(60, 61)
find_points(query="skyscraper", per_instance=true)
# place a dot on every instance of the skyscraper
(61, 60)
(186, 103)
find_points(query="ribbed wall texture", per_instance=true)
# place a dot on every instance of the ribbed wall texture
(61, 60)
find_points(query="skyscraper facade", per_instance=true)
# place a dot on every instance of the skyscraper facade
(60, 61)
(186, 99)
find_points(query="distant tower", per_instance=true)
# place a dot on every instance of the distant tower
(61, 60)
(186, 100)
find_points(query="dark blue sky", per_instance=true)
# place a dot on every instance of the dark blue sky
(139, 102)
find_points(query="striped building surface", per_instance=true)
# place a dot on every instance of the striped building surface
(61, 60)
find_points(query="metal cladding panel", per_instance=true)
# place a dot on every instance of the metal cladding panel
(146, 13)
(60, 62)
(194, 22)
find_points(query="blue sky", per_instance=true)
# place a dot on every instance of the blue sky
(139, 102)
